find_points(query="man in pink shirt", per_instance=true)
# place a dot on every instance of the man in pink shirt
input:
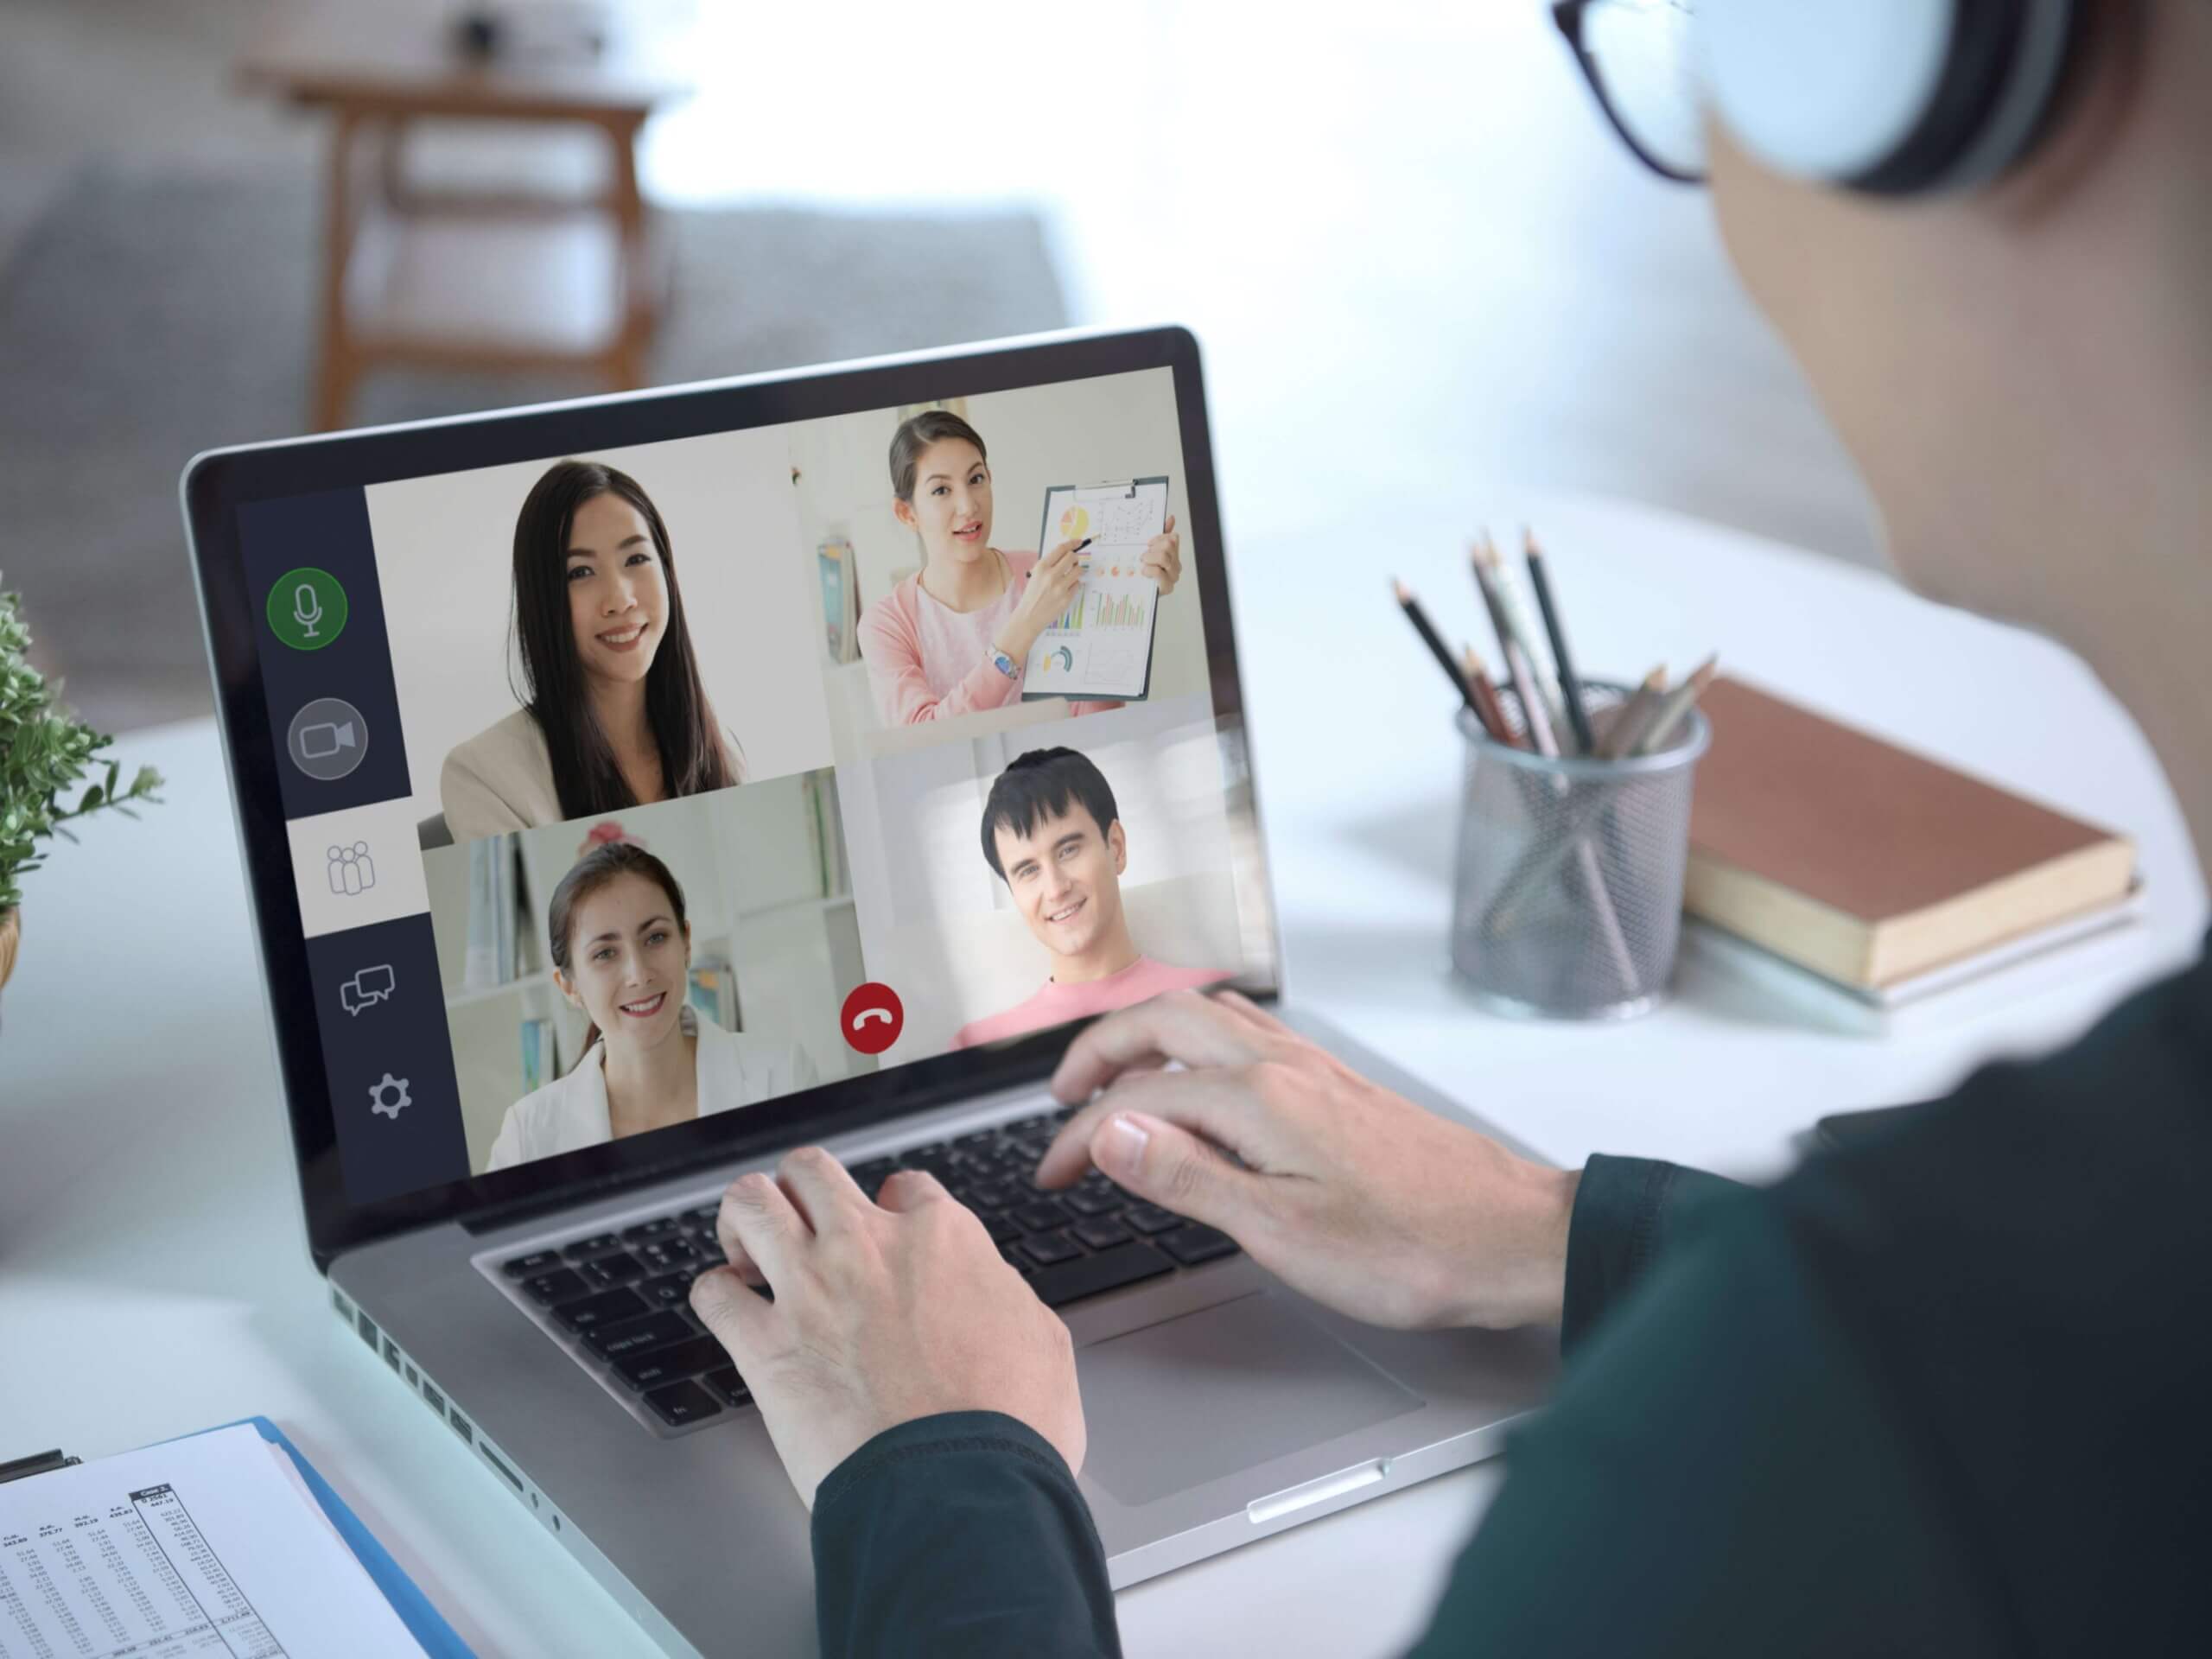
(1052, 832)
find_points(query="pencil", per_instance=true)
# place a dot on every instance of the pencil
(1633, 718)
(1535, 717)
(1570, 689)
(1676, 706)
(1488, 708)
(1437, 649)
(1514, 601)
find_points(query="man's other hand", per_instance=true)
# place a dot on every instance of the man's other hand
(883, 1312)
(1346, 1192)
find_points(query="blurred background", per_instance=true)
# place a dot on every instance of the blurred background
(1425, 276)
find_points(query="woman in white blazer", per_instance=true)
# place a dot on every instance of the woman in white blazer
(614, 711)
(621, 952)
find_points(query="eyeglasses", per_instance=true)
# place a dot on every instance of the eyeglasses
(1638, 57)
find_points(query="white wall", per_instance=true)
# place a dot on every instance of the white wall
(445, 560)
(1078, 432)
(941, 930)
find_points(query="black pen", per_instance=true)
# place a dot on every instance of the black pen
(1570, 688)
(1424, 627)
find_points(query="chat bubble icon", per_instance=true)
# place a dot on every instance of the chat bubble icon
(367, 987)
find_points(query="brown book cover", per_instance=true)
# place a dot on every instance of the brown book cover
(1866, 862)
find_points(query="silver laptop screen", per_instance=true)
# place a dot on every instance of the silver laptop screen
(631, 787)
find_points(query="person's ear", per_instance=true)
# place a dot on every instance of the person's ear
(566, 987)
(903, 510)
(1118, 840)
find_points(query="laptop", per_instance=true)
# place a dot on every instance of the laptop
(423, 638)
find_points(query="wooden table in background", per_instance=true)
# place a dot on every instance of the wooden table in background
(475, 280)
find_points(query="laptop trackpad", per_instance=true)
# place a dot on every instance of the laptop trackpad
(1174, 1406)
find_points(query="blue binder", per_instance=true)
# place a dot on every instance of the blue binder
(422, 1620)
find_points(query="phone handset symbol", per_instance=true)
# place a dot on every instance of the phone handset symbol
(873, 1018)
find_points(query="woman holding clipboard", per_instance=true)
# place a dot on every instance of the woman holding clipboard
(953, 638)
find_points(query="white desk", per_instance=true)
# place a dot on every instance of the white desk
(153, 1275)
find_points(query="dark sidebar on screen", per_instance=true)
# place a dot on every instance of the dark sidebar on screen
(326, 669)
(392, 1088)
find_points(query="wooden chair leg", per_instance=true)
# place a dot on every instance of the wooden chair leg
(335, 365)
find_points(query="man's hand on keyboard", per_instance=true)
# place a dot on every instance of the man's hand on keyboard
(1346, 1192)
(884, 1312)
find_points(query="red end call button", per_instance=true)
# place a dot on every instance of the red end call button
(874, 1017)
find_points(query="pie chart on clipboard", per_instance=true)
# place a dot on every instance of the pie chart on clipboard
(1075, 523)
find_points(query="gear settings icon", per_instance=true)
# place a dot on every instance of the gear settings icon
(389, 1096)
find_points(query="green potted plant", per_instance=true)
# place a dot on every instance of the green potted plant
(44, 751)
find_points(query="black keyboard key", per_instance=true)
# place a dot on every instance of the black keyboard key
(635, 1336)
(676, 1359)
(1101, 1233)
(730, 1386)
(1039, 1216)
(603, 1309)
(669, 1290)
(1001, 1230)
(870, 1176)
(1017, 1261)
(617, 1269)
(683, 1402)
(1046, 1248)
(659, 1227)
(980, 1141)
(1151, 1218)
(1096, 1200)
(597, 1244)
(529, 1266)
(1090, 1275)
(1193, 1244)
(1032, 1125)
(703, 1217)
(663, 1253)
(561, 1285)
(987, 1194)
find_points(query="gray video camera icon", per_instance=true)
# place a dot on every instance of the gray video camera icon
(319, 743)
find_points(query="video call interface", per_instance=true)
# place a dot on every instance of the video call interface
(628, 788)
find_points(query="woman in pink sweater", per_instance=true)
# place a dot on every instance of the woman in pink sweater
(952, 639)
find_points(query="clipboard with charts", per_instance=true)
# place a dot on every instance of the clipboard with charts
(1100, 646)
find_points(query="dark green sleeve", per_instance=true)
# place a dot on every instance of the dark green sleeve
(1628, 1212)
(1718, 1474)
(959, 1534)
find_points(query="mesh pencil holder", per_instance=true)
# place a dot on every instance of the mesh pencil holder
(1568, 898)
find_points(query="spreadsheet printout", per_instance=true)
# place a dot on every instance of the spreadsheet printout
(210, 1545)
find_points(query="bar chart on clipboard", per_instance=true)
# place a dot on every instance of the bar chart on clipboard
(1100, 646)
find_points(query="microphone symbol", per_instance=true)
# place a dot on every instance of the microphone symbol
(307, 609)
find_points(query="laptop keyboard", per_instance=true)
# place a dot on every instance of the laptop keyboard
(624, 1298)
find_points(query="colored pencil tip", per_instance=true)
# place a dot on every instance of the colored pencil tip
(1482, 552)
(1405, 594)
(1656, 679)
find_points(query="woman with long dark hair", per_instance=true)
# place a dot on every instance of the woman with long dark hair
(615, 712)
(621, 950)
